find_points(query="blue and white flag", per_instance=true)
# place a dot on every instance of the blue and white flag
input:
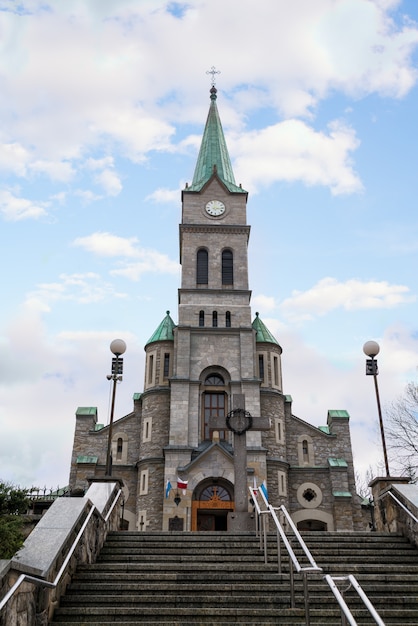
(167, 488)
(263, 488)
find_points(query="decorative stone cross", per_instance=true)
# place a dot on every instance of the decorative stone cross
(213, 71)
(239, 421)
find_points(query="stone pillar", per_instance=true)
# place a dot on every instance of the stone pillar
(384, 509)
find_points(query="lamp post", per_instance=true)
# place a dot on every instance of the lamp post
(118, 347)
(372, 349)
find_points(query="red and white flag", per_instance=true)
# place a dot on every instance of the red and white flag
(182, 484)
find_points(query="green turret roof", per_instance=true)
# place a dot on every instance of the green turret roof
(263, 333)
(164, 331)
(213, 155)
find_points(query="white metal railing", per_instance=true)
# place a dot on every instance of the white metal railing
(52, 585)
(389, 493)
(311, 568)
(346, 614)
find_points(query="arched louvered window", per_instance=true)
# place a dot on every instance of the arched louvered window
(215, 319)
(228, 319)
(201, 318)
(227, 267)
(202, 269)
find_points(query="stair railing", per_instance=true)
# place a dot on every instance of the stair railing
(312, 568)
(346, 615)
(399, 503)
(35, 580)
(260, 523)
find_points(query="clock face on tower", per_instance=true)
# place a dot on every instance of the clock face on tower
(215, 208)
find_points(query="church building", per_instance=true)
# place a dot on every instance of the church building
(216, 368)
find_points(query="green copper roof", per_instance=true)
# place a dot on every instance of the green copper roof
(263, 333)
(338, 413)
(333, 462)
(164, 331)
(213, 155)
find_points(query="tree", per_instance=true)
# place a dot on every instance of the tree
(13, 503)
(401, 431)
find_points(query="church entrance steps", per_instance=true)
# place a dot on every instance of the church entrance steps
(221, 578)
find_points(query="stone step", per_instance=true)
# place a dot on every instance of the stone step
(323, 616)
(217, 578)
(404, 589)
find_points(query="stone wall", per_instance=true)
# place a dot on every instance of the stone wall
(389, 515)
(44, 553)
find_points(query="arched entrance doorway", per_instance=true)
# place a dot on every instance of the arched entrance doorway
(212, 501)
(311, 525)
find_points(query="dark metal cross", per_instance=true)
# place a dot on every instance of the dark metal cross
(213, 71)
(239, 421)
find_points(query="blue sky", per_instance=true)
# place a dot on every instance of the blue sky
(102, 108)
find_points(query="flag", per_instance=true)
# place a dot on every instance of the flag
(255, 486)
(167, 488)
(182, 484)
(263, 488)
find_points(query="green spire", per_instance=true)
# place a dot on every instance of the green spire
(263, 333)
(164, 331)
(213, 155)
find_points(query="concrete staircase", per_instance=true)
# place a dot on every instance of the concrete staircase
(219, 578)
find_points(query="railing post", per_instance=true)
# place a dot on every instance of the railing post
(265, 539)
(292, 586)
(306, 594)
(279, 551)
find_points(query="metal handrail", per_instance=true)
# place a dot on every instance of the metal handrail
(343, 605)
(389, 493)
(35, 580)
(313, 568)
(260, 517)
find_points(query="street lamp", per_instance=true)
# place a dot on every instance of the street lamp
(118, 347)
(372, 349)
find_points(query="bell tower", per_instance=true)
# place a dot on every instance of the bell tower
(214, 331)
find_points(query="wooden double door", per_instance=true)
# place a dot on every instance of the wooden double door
(210, 511)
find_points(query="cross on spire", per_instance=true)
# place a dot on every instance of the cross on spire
(213, 71)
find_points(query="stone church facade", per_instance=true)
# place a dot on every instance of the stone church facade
(195, 368)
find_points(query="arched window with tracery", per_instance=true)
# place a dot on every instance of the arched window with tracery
(214, 405)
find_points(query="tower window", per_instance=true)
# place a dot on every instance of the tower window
(166, 365)
(261, 366)
(214, 406)
(119, 448)
(202, 267)
(276, 371)
(228, 319)
(150, 368)
(215, 319)
(201, 318)
(227, 267)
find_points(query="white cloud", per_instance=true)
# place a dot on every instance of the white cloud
(151, 262)
(14, 158)
(87, 196)
(15, 209)
(110, 182)
(163, 195)
(329, 294)
(292, 151)
(105, 244)
(263, 303)
(125, 65)
(81, 288)
(56, 170)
